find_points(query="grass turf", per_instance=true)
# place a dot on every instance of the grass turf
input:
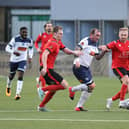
(23, 114)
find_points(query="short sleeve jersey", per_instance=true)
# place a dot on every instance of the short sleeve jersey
(87, 46)
(54, 47)
(120, 54)
(44, 37)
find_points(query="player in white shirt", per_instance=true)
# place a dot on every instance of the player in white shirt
(21, 49)
(81, 68)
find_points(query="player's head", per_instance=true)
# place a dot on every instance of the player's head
(95, 35)
(23, 32)
(48, 27)
(58, 32)
(123, 34)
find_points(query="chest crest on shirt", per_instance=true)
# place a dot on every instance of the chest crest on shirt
(82, 43)
(119, 45)
(50, 47)
(44, 36)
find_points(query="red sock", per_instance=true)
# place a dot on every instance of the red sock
(123, 92)
(42, 80)
(53, 88)
(47, 98)
(117, 96)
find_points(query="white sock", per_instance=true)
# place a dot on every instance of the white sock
(82, 87)
(19, 87)
(84, 97)
(8, 82)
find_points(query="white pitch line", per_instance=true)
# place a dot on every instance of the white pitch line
(67, 120)
(119, 110)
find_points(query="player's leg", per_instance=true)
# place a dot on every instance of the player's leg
(123, 92)
(80, 73)
(87, 86)
(40, 80)
(55, 81)
(21, 69)
(110, 100)
(58, 84)
(13, 67)
(85, 94)
(80, 87)
(120, 73)
(40, 68)
(49, 95)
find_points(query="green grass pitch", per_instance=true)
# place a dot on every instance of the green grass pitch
(23, 114)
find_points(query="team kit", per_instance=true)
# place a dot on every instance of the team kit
(50, 81)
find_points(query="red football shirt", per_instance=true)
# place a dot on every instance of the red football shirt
(44, 37)
(120, 54)
(54, 47)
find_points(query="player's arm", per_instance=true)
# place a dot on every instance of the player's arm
(37, 42)
(10, 48)
(98, 56)
(30, 52)
(75, 52)
(104, 48)
(44, 60)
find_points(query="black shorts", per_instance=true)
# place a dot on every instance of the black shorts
(120, 72)
(52, 77)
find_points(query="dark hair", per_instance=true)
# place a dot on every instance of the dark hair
(23, 28)
(94, 30)
(57, 28)
(46, 24)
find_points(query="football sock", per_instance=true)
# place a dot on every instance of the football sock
(8, 82)
(83, 98)
(117, 96)
(123, 92)
(47, 98)
(42, 80)
(53, 88)
(19, 87)
(82, 87)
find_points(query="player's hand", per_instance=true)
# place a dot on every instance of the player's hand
(16, 53)
(92, 53)
(39, 50)
(103, 48)
(78, 53)
(77, 64)
(29, 60)
(43, 71)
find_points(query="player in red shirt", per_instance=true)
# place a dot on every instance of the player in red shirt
(43, 38)
(120, 65)
(54, 80)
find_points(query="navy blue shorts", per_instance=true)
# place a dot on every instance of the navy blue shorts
(83, 74)
(20, 66)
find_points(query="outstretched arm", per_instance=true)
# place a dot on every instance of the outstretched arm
(100, 55)
(69, 52)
